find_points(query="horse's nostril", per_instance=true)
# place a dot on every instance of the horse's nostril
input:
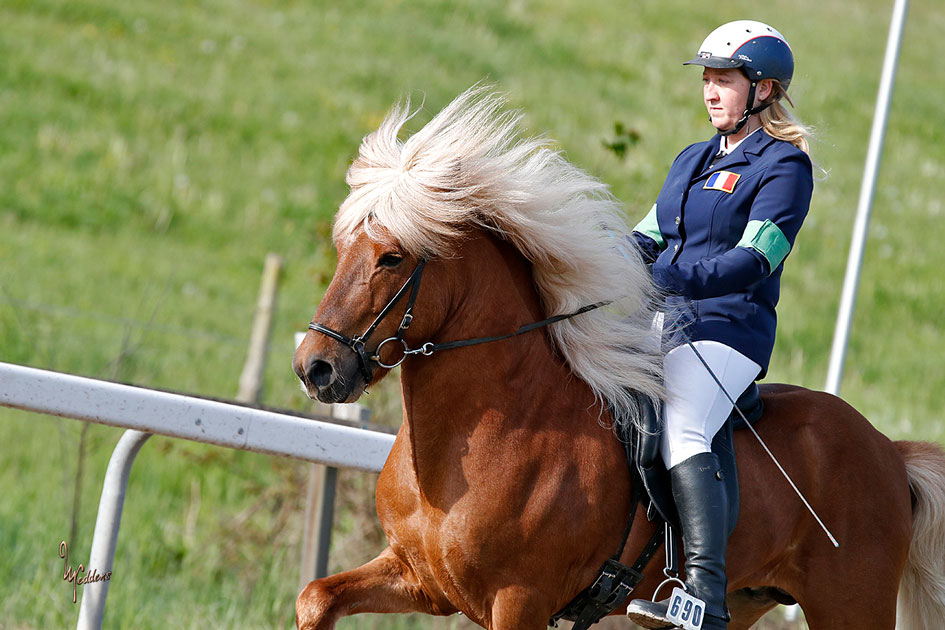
(319, 373)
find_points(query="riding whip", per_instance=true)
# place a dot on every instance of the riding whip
(728, 396)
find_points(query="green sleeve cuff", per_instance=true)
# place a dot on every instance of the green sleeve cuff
(650, 227)
(767, 239)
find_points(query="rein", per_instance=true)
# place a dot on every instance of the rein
(366, 359)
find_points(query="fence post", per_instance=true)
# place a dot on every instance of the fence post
(252, 377)
(319, 516)
(320, 505)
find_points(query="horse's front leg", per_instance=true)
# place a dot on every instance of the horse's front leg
(520, 608)
(383, 585)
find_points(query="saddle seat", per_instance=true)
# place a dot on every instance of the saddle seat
(751, 406)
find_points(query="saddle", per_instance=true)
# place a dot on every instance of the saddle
(645, 455)
(615, 580)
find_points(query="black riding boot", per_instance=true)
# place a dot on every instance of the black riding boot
(702, 502)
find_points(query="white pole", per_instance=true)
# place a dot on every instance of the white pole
(867, 189)
(841, 333)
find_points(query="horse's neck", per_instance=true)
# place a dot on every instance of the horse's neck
(467, 407)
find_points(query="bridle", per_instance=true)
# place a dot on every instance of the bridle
(357, 342)
(367, 359)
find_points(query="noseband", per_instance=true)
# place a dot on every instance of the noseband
(366, 360)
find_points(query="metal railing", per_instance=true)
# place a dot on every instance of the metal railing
(146, 411)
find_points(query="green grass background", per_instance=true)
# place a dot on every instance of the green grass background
(152, 154)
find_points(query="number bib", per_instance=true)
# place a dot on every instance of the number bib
(685, 610)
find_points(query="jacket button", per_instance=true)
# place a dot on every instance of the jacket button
(675, 248)
(677, 220)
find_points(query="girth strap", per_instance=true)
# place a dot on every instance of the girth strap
(613, 586)
(615, 580)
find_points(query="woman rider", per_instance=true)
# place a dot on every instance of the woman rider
(717, 237)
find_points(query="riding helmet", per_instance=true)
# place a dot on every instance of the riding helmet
(758, 49)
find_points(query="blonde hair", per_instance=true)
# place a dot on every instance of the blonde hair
(779, 123)
(470, 167)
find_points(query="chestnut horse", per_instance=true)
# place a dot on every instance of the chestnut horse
(506, 488)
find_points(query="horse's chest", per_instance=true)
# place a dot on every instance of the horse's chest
(441, 546)
(437, 554)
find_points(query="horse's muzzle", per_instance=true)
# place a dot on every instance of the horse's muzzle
(329, 380)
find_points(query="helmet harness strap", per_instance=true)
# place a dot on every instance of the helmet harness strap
(749, 111)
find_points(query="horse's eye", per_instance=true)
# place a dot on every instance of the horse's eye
(390, 260)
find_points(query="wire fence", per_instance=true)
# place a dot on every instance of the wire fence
(128, 322)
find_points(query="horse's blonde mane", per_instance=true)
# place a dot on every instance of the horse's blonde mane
(469, 166)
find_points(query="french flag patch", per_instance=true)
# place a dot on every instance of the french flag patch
(722, 180)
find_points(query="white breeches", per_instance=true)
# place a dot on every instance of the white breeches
(695, 408)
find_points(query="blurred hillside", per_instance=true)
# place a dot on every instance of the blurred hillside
(152, 154)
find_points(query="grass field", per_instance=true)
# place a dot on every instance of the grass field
(152, 154)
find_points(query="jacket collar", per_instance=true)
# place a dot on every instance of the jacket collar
(744, 153)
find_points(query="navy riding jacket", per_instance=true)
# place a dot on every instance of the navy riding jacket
(717, 238)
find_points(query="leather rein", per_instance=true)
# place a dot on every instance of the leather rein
(367, 360)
